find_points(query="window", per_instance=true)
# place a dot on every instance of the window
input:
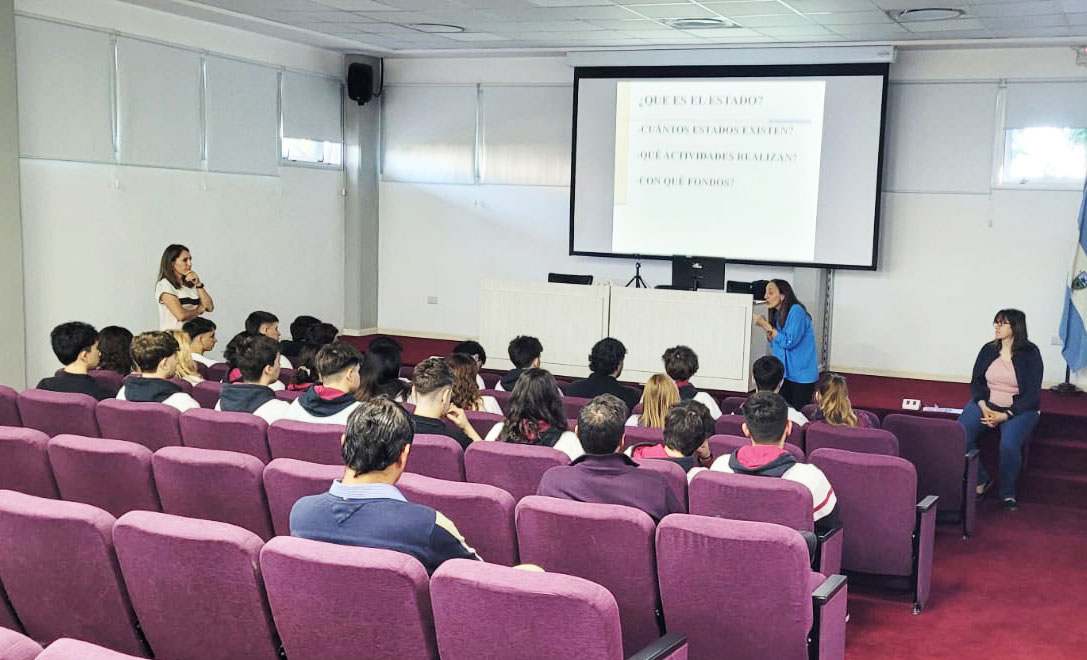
(318, 152)
(312, 120)
(1045, 155)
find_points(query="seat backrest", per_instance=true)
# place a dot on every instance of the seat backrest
(114, 475)
(937, 449)
(866, 440)
(73, 649)
(388, 607)
(490, 379)
(207, 393)
(286, 480)
(110, 381)
(608, 544)
(196, 587)
(486, 611)
(722, 445)
(501, 396)
(9, 407)
(303, 441)
(516, 469)
(54, 413)
(672, 473)
(289, 395)
(749, 497)
(710, 566)
(733, 425)
(876, 504)
(153, 425)
(16, 646)
(437, 456)
(60, 572)
(869, 416)
(730, 404)
(483, 422)
(217, 371)
(227, 431)
(482, 514)
(286, 376)
(213, 485)
(572, 405)
(640, 434)
(25, 463)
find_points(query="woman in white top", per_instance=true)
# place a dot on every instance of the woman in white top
(466, 394)
(180, 293)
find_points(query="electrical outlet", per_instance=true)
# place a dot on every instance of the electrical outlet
(1055, 340)
(911, 404)
(432, 300)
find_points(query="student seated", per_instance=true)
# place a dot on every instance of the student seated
(365, 508)
(186, 366)
(606, 363)
(76, 346)
(605, 475)
(230, 357)
(258, 360)
(201, 332)
(474, 350)
(832, 397)
(333, 400)
(524, 353)
(381, 375)
(681, 363)
(267, 324)
(768, 372)
(155, 355)
(115, 350)
(767, 424)
(466, 394)
(687, 426)
(659, 395)
(432, 391)
(535, 416)
(305, 370)
(292, 348)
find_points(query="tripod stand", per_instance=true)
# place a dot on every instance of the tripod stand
(637, 280)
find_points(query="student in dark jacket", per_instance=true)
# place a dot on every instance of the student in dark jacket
(687, 426)
(76, 346)
(258, 360)
(1005, 392)
(524, 352)
(292, 348)
(605, 475)
(606, 365)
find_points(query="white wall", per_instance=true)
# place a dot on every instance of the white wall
(948, 260)
(12, 341)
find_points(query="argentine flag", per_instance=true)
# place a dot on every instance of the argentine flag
(1074, 319)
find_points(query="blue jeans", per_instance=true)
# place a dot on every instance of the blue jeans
(1013, 433)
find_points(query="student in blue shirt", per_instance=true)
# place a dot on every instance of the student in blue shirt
(792, 340)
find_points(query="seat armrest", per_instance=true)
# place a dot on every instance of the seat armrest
(823, 536)
(827, 638)
(972, 454)
(828, 552)
(662, 649)
(923, 541)
(826, 590)
(928, 503)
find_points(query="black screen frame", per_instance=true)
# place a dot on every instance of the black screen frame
(881, 69)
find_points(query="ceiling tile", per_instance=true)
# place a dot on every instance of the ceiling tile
(809, 6)
(869, 32)
(800, 31)
(779, 20)
(944, 26)
(1012, 22)
(359, 5)
(1034, 8)
(852, 18)
(732, 9)
(917, 4)
(684, 10)
(476, 36)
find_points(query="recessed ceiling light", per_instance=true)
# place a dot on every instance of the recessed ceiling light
(699, 23)
(925, 14)
(436, 28)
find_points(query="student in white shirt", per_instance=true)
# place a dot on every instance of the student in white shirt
(466, 394)
(769, 374)
(155, 355)
(258, 360)
(267, 324)
(202, 339)
(179, 292)
(535, 416)
(333, 400)
(681, 363)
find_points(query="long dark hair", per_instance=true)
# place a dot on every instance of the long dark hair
(115, 347)
(788, 299)
(380, 374)
(1017, 320)
(534, 399)
(465, 389)
(166, 265)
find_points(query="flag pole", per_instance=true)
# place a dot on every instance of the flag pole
(1067, 388)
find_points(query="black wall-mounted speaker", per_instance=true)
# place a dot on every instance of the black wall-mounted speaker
(360, 83)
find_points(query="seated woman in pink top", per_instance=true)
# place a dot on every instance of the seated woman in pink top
(1005, 391)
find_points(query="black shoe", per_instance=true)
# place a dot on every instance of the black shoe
(1010, 504)
(983, 489)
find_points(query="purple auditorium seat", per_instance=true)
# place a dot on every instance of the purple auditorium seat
(733, 425)
(483, 422)
(486, 611)
(641, 435)
(110, 381)
(207, 393)
(60, 572)
(9, 407)
(217, 372)
(185, 385)
(316, 443)
(482, 514)
(887, 531)
(937, 449)
(437, 456)
(490, 379)
(672, 473)
(54, 413)
(16, 646)
(388, 607)
(71, 649)
(286, 376)
(516, 469)
(572, 405)
(213, 485)
(731, 404)
(871, 417)
(7, 615)
(819, 435)
(406, 371)
(722, 445)
(764, 499)
(226, 431)
(25, 465)
(748, 570)
(153, 425)
(287, 480)
(501, 396)
(196, 587)
(289, 395)
(114, 475)
(608, 544)
(203, 370)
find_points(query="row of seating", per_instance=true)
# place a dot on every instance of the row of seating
(16, 646)
(204, 590)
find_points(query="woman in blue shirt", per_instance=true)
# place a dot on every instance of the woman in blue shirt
(792, 340)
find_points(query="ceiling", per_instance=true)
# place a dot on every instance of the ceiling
(388, 26)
